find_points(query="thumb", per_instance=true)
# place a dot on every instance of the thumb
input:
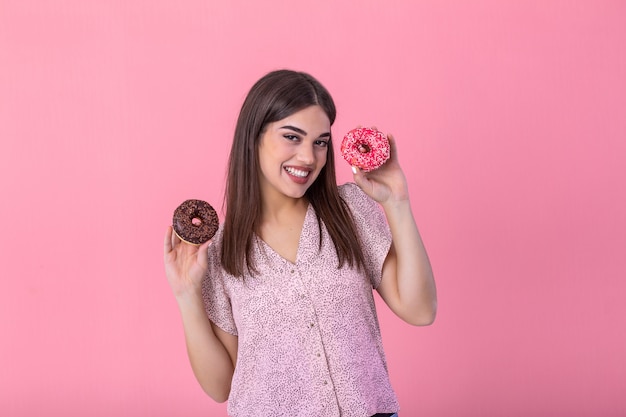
(359, 178)
(203, 253)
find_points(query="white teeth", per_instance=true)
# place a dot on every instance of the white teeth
(296, 172)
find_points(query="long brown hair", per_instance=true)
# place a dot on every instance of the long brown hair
(274, 97)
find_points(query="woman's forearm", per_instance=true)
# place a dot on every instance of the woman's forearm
(415, 285)
(210, 359)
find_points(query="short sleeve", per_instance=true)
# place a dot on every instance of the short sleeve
(372, 227)
(215, 291)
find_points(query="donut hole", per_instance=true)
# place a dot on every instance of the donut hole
(196, 221)
(363, 148)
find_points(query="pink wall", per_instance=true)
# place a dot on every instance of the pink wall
(511, 123)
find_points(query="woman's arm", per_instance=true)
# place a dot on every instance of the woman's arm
(212, 352)
(407, 285)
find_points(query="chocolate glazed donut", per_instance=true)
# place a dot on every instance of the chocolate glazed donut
(195, 221)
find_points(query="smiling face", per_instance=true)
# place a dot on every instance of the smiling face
(292, 152)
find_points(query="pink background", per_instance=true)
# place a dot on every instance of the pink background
(511, 123)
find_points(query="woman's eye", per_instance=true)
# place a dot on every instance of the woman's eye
(291, 137)
(322, 143)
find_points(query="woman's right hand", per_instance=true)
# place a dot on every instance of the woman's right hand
(185, 264)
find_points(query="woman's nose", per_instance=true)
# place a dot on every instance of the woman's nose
(306, 154)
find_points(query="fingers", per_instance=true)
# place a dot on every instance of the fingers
(372, 127)
(171, 240)
(175, 239)
(393, 149)
(167, 242)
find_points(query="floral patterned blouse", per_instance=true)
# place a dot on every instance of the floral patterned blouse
(309, 341)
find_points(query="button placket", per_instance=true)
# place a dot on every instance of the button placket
(317, 346)
(301, 288)
(317, 351)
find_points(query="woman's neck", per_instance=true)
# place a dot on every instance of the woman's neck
(276, 211)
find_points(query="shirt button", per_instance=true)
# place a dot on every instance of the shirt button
(292, 271)
(318, 355)
(311, 325)
(325, 382)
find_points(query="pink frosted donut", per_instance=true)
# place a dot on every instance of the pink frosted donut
(365, 148)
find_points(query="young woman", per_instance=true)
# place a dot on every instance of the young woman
(278, 308)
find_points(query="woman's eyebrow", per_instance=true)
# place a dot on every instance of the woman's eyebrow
(302, 132)
(295, 129)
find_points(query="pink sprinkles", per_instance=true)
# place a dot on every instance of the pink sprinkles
(365, 148)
